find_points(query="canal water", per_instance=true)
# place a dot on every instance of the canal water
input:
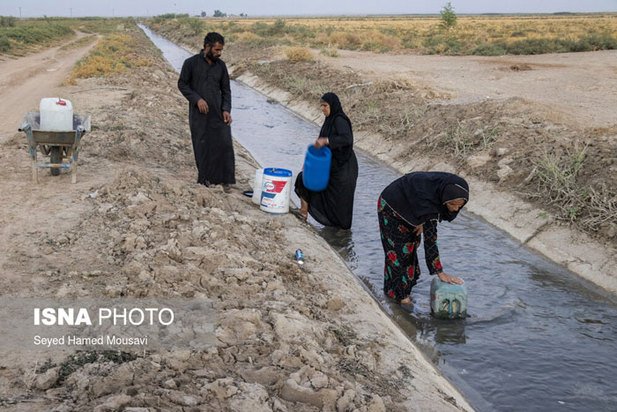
(537, 337)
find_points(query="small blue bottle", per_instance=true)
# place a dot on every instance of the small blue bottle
(299, 257)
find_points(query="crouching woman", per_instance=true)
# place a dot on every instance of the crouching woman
(407, 208)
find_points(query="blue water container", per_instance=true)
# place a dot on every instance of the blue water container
(316, 171)
(448, 301)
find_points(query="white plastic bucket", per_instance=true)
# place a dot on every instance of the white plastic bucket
(56, 114)
(257, 183)
(275, 190)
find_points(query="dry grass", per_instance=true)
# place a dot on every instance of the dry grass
(79, 43)
(472, 34)
(466, 138)
(112, 54)
(558, 179)
(330, 51)
(299, 54)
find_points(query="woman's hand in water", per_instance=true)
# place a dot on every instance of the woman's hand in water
(320, 142)
(444, 277)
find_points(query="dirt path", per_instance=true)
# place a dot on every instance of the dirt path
(23, 83)
(26, 80)
(579, 89)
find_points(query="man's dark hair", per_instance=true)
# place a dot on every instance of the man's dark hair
(212, 38)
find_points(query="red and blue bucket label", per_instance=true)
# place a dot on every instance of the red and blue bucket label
(275, 190)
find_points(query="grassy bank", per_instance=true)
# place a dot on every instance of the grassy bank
(115, 52)
(21, 36)
(17, 36)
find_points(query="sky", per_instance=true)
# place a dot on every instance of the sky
(255, 8)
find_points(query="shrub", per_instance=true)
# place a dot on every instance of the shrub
(299, 54)
(448, 17)
(537, 46)
(5, 44)
(196, 25)
(35, 33)
(330, 51)
(411, 41)
(438, 44)
(301, 33)
(345, 40)
(278, 27)
(601, 41)
(370, 46)
(8, 21)
(557, 177)
(490, 49)
(172, 16)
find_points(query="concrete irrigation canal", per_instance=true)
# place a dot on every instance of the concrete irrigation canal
(536, 334)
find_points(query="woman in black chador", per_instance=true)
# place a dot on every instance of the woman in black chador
(408, 207)
(334, 205)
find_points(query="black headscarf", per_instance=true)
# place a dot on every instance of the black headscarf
(341, 154)
(421, 196)
(454, 191)
(336, 110)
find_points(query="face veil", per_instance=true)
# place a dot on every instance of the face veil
(453, 191)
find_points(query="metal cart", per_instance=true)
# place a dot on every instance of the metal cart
(55, 144)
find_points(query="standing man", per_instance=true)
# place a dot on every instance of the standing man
(204, 81)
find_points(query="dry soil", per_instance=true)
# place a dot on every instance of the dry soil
(135, 224)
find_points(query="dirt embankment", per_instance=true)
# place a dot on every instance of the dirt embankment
(290, 338)
(534, 135)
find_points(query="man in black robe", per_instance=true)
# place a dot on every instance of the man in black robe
(204, 81)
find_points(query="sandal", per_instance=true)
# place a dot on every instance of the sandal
(297, 213)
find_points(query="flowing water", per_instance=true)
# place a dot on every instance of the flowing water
(537, 337)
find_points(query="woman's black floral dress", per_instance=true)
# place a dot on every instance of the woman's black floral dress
(401, 269)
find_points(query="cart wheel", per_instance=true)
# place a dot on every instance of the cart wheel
(55, 157)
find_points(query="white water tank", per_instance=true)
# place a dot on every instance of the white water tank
(56, 114)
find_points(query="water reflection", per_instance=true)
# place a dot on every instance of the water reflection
(341, 241)
(448, 332)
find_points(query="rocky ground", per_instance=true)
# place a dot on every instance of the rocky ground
(289, 337)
